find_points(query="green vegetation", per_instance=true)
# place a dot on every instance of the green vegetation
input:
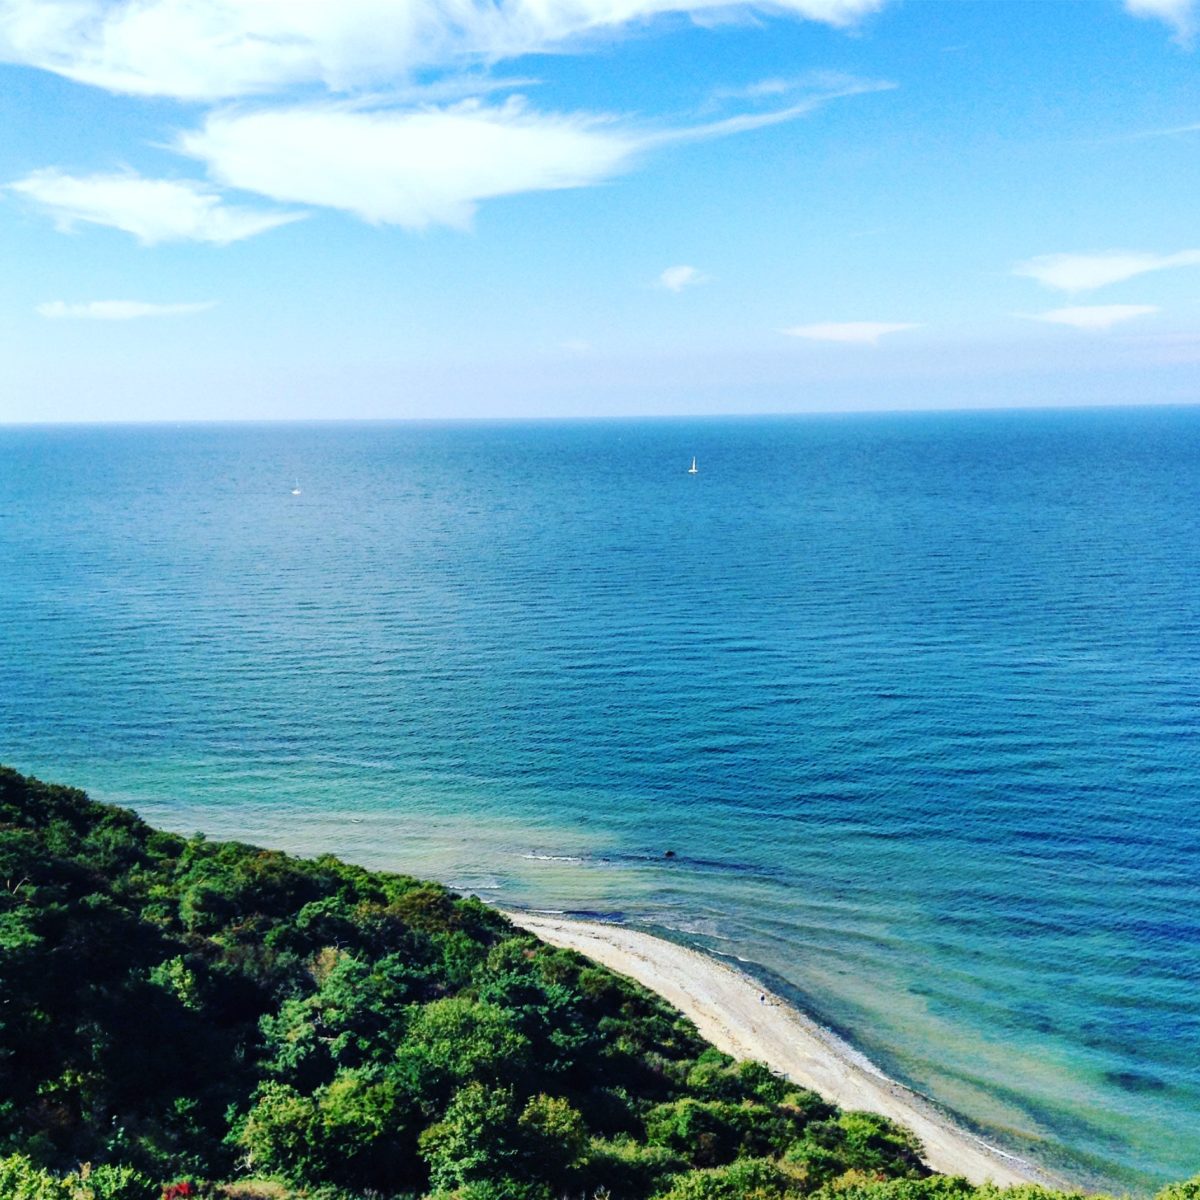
(189, 1018)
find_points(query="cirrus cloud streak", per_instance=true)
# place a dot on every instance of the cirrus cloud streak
(1179, 15)
(863, 333)
(152, 210)
(408, 168)
(1093, 317)
(222, 49)
(675, 279)
(417, 167)
(117, 310)
(1086, 272)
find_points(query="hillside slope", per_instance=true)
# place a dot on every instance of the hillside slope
(180, 1012)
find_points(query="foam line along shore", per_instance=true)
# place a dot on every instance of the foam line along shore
(734, 1012)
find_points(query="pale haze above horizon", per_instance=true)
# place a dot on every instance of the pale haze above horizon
(249, 209)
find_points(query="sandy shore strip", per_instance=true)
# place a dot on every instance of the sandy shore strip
(725, 1006)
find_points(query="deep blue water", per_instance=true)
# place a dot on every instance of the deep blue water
(913, 699)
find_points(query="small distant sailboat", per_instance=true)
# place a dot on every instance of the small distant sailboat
(693, 469)
(296, 488)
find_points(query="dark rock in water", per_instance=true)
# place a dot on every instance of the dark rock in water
(1135, 1081)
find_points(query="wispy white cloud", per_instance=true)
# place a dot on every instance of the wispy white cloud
(814, 97)
(220, 49)
(1183, 16)
(434, 165)
(819, 83)
(118, 310)
(1173, 131)
(865, 333)
(675, 279)
(1147, 134)
(414, 160)
(153, 210)
(409, 168)
(1093, 317)
(1084, 272)
(764, 89)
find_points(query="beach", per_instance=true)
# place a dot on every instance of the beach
(733, 1011)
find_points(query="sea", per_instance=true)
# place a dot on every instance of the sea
(898, 711)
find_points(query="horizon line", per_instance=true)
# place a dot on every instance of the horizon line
(138, 422)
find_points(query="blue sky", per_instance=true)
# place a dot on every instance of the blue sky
(215, 209)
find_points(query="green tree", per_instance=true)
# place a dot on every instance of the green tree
(1189, 1189)
(477, 1140)
(749, 1179)
(452, 1041)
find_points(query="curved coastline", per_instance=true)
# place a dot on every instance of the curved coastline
(735, 1013)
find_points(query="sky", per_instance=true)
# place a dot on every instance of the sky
(313, 209)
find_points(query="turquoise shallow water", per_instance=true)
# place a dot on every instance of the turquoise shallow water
(912, 698)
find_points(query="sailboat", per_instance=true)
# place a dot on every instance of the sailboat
(296, 489)
(693, 469)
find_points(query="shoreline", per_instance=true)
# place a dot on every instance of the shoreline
(739, 1016)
